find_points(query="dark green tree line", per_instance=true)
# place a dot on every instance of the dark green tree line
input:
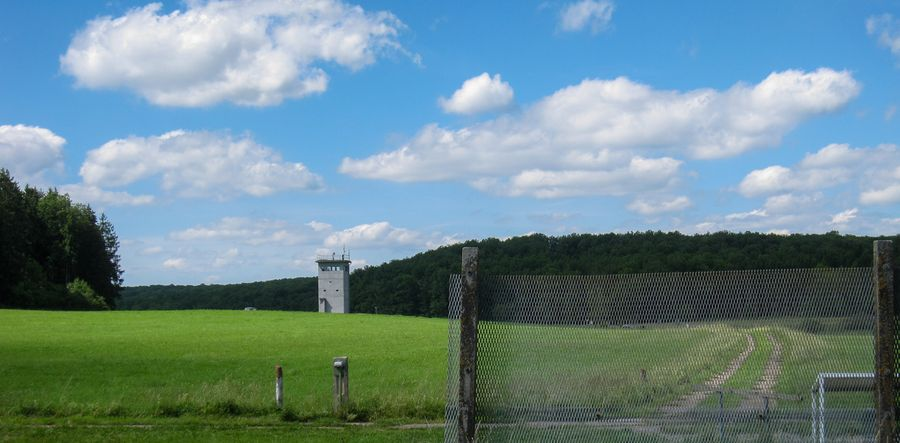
(54, 253)
(418, 285)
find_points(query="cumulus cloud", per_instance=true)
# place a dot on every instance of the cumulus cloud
(593, 14)
(100, 197)
(226, 258)
(886, 29)
(372, 234)
(639, 174)
(875, 172)
(880, 196)
(479, 94)
(252, 249)
(151, 250)
(844, 217)
(319, 226)
(255, 53)
(28, 152)
(659, 206)
(241, 228)
(575, 141)
(196, 164)
(175, 263)
(781, 213)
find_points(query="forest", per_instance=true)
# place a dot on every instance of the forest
(54, 253)
(418, 285)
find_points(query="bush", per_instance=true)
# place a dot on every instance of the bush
(81, 291)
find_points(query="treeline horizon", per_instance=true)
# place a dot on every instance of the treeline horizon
(54, 253)
(418, 285)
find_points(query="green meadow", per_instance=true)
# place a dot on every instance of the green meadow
(209, 375)
(207, 369)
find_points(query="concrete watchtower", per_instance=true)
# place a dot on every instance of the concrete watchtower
(334, 283)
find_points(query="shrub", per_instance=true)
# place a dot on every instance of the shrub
(80, 290)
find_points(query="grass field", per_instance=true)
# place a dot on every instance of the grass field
(600, 366)
(208, 375)
(211, 367)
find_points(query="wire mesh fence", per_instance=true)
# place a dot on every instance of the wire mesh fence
(765, 355)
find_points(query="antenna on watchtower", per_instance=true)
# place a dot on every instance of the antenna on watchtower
(344, 252)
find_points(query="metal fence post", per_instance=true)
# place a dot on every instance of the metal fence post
(885, 325)
(468, 341)
(341, 386)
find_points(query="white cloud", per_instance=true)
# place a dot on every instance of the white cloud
(28, 152)
(844, 217)
(479, 94)
(887, 30)
(152, 250)
(756, 213)
(255, 53)
(253, 249)
(196, 164)
(319, 226)
(99, 197)
(639, 174)
(175, 263)
(785, 203)
(889, 194)
(659, 206)
(831, 166)
(602, 128)
(226, 258)
(372, 234)
(780, 214)
(241, 228)
(446, 240)
(595, 14)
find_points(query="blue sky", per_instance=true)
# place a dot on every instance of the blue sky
(232, 141)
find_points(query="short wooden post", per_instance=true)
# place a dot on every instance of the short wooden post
(468, 344)
(341, 386)
(279, 387)
(885, 325)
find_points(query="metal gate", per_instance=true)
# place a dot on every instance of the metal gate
(764, 355)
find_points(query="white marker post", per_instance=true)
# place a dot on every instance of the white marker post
(279, 387)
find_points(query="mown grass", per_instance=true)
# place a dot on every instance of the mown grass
(208, 375)
(564, 366)
(218, 364)
(162, 430)
(806, 354)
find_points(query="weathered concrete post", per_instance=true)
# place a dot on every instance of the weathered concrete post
(279, 387)
(468, 341)
(341, 387)
(885, 325)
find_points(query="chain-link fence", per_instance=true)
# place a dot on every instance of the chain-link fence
(766, 355)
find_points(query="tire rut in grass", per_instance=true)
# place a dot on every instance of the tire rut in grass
(690, 401)
(767, 381)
